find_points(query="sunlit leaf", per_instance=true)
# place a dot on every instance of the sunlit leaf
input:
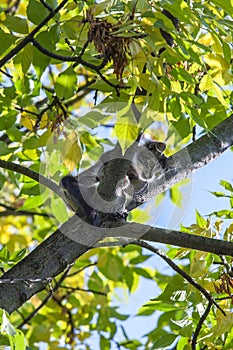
(66, 83)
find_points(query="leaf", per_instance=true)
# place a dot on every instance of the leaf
(126, 132)
(71, 152)
(18, 255)
(218, 194)
(36, 11)
(163, 340)
(27, 119)
(58, 209)
(7, 327)
(225, 214)
(200, 220)
(226, 185)
(4, 254)
(207, 83)
(6, 41)
(16, 24)
(32, 202)
(4, 149)
(182, 127)
(66, 84)
(23, 60)
(111, 267)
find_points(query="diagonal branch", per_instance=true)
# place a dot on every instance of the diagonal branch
(181, 272)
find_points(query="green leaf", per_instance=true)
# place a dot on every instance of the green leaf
(218, 194)
(200, 220)
(16, 24)
(32, 202)
(6, 41)
(14, 134)
(4, 149)
(36, 11)
(126, 132)
(225, 214)
(4, 254)
(6, 121)
(24, 58)
(58, 209)
(66, 83)
(111, 267)
(142, 272)
(226, 185)
(182, 127)
(18, 255)
(164, 340)
(19, 341)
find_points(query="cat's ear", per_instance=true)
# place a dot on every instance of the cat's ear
(160, 146)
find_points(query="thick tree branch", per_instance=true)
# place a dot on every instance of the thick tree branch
(75, 237)
(29, 37)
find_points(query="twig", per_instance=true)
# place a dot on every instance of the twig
(69, 313)
(82, 269)
(199, 325)
(14, 211)
(77, 60)
(46, 5)
(21, 109)
(45, 300)
(75, 289)
(179, 271)
(6, 74)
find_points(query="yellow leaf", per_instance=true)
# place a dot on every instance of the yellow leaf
(126, 133)
(206, 39)
(219, 95)
(207, 83)
(28, 120)
(44, 121)
(71, 152)
(216, 61)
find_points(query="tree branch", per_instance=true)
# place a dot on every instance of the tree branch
(33, 175)
(75, 237)
(16, 212)
(77, 60)
(181, 272)
(200, 324)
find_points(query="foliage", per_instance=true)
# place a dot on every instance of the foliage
(67, 93)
